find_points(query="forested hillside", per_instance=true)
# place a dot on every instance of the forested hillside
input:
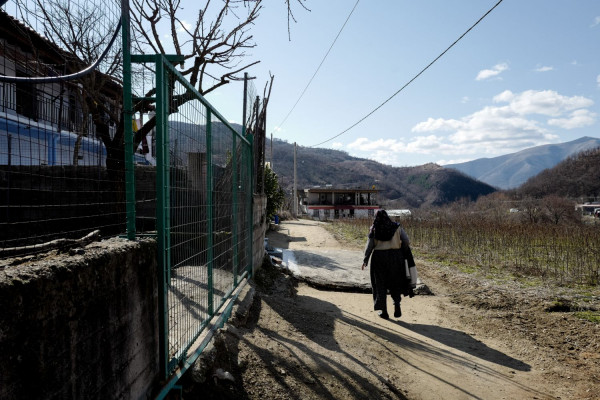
(576, 177)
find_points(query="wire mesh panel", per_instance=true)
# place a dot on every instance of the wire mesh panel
(188, 214)
(203, 200)
(243, 208)
(60, 154)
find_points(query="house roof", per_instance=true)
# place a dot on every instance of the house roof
(47, 53)
(19, 34)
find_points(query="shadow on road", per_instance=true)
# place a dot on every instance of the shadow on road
(282, 239)
(465, 343)
(312, 260)
(318, 320)
(315, 319)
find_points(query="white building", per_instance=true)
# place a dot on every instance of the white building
(331, 203)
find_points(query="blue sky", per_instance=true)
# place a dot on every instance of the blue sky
(527, 75)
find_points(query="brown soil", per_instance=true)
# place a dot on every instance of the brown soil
(473, 339)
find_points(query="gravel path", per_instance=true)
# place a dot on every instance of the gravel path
(468, 341)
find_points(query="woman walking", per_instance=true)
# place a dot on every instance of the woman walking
(386, 246)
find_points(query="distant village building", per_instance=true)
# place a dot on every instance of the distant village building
(589, 208)
(331, 203)
(402, 213)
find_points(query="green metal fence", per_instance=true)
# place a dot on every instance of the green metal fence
(203, 206)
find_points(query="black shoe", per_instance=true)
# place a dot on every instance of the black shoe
(397, 311)
(383, 314)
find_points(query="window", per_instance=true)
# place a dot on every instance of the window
(26, 98)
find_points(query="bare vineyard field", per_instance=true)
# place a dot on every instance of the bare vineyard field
(559, 254)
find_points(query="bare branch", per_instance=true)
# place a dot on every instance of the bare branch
(291, 14)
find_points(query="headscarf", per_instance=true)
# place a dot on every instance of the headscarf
(383, 227)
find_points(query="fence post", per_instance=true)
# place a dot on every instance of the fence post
(127, 126)
(245, 104)
(162, 213)
(249, 181)
(249, 201)
(209, 211)
(234, 224)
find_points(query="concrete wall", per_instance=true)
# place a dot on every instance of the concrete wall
(259, 230)
(66, 201)
(80, 326)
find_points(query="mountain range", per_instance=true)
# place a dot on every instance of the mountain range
(568, 169)
(512, 170)
(400, 187)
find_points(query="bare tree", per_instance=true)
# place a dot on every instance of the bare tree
(531, 210)
(291, 14)
(559, 209)
(213, 46)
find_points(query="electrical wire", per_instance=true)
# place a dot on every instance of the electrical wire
(319, 67)
(413, 79)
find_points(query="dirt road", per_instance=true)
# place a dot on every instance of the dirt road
(471, 340)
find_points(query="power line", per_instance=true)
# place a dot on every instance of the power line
(319, 67)
(413, 79)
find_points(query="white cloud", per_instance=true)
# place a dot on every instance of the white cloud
(184, 25)
(337, 145)
(544, 102)
(456, 161)
(496, 130)
(596, 21)
(516, 122)
(513, 122)
(438, 124)
(505, 96)
(577, 119)
(366, 145)
(358, 143)
(544, 69)
(598, 80)
(494, 71)
(387, 148)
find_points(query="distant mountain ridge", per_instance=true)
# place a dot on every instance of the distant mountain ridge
(401, 187)
(511, 170)
(576, 177)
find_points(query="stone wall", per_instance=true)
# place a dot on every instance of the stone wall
(80, 325)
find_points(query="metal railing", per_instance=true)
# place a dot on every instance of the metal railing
(203, 208)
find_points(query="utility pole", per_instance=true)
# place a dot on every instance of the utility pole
(271, 151)
(295, 190)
